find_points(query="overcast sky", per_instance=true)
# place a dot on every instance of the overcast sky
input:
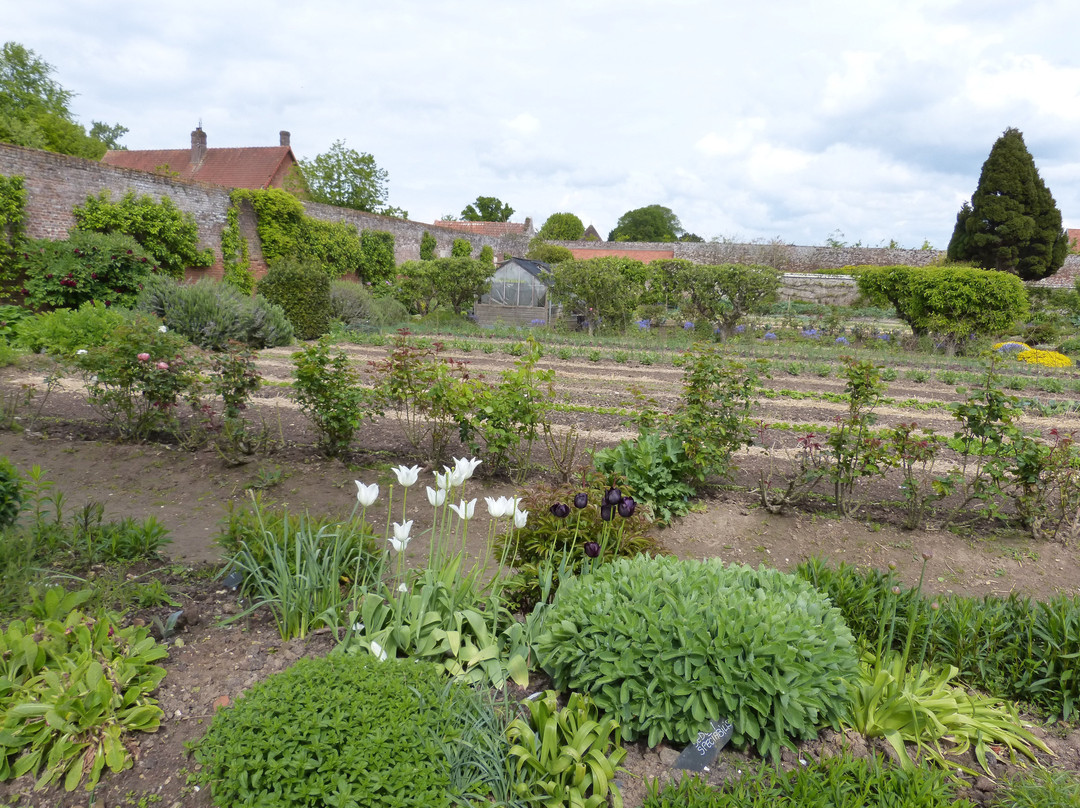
(781, 118)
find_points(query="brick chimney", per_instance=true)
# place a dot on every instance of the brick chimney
(284, 137)
(198, 145)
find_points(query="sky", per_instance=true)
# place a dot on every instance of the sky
(855, 120)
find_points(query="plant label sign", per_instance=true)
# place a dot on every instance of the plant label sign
(703, 750)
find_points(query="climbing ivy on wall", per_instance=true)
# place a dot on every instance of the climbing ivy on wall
(286, 232)
(234, 250)
(12, 226)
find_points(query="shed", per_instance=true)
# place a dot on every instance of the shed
(518, 294)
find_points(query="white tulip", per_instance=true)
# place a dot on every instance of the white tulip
(466, 466)
(436, 498)
(520, 518)
(498, 507)
(401, 535)
(444, 481)
(406, 475)
(366, 494)
(464, 509)
(378, 652)
(402, 588)
(162, 329)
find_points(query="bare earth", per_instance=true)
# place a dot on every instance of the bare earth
(189, 492)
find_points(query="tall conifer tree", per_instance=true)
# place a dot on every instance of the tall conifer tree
(1012, 223)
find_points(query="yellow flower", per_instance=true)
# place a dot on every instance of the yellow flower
(1050, 359)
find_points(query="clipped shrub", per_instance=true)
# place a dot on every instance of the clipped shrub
(62, 332)
(10, 493)
(953, 302)
(461, 248)
(333, 731)
(167, 233)
(663, 645)
(376, 256)
(212, 314)
(717, 297)
(427, 246)
(548, 253)
(302, 290)
(108, 269)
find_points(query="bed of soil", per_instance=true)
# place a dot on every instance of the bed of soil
(190, 491)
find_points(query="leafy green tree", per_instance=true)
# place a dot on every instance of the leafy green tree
(651, 223)
(461, 248)
(34, 109)
(347, 178)
(562, 227)
(548, 253)
(454, 283)
(1012, 223)
(722, 295)
(600, 292)
(487, 209)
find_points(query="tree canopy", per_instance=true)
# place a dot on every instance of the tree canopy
(651, 223)
(562, 227)
(1012, 223)
(34, 109)
(487, 209)
(347, 178)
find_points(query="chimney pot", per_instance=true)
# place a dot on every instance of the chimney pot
(198, 145)
(284, 137)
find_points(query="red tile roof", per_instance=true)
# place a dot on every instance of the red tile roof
(494, 229)
(249, 167)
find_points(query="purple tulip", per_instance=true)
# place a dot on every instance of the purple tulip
(592, 549)
(606, 512)
(581, 500)
(560, 510)
(626, 507)
(613, 496)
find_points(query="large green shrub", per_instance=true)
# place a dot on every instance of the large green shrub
(376, 256)
(302, 290)
(952, 302)
(63, 332)
(342, 730)
(663, 645)
(210, 314)
(461, 248)
(357, 309)
(105, 268)
(167, 233)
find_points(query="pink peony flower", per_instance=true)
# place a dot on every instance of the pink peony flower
(143, 357)
(162, 365)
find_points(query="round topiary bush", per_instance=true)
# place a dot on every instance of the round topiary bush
(662, 645)
(342, 730)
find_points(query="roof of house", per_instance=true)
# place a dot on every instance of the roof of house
(534, 268)
(494, 229)
(245, 167)
(592, 234)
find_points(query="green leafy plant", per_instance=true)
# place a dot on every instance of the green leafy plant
(833, 782)
(663, 645)
(136, 379)
(720, 296)
(383, 723)
(566, 757)
(656, 470)
(854, 451)
(107, 269)
(601, 292)
(11, 493)
(212, 315)
(73, 688)
(328, 392)
(63, 332)
(167, 233)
